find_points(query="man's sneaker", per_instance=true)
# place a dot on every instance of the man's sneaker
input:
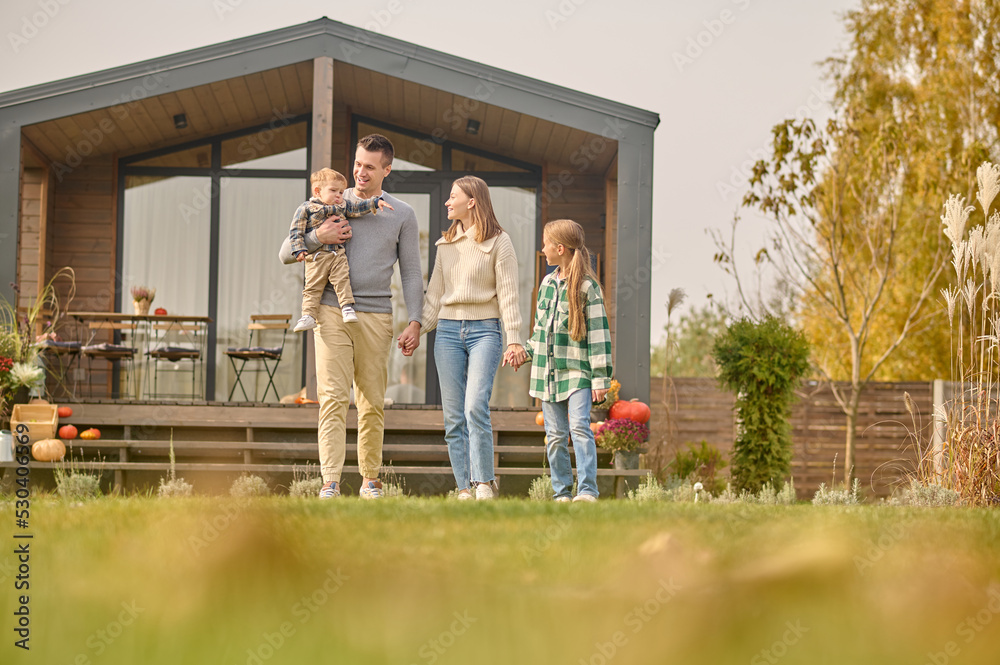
(349, 315)
(563, 499)
(585, 498)
(373, 490)
(330, 490)
(464, 495)
(484, 491)
(305, 323)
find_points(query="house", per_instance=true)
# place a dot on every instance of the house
(181, 173)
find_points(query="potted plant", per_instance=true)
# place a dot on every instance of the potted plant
(599, 410)
(21, 330)
(623, 437)
(142, 298)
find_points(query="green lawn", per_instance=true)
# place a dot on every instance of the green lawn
(407, 581)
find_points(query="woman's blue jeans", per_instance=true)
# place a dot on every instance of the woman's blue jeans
(563, 420)
(467, 354)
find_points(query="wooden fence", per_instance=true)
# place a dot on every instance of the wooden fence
(885, 446)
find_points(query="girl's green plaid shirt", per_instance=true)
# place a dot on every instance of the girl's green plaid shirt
(559, 364)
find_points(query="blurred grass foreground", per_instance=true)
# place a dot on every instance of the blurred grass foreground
(408, 581)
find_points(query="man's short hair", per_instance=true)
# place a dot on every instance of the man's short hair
(378, 143)
(323, 176)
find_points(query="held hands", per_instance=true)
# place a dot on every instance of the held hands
(333, 231)
(409, 339)
(301, 256)
(515, 356)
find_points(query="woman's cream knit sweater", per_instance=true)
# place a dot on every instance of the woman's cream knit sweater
(472, 281)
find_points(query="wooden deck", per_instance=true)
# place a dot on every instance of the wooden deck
(215, 442)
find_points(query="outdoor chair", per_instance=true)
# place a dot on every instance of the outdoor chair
(262, 359)
(113, 353)
(60, 358)
(120, 355)
(177, 348)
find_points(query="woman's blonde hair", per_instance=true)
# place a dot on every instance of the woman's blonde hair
(483, 216)
(570, 235)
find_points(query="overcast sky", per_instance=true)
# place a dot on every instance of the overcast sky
(720, 73)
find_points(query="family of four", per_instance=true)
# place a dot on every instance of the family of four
(472, 301)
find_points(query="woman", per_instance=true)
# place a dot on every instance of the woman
(472, 289)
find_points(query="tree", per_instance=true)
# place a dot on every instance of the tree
(834, 200)
(929, 66)
(917, 107)
(762, 362)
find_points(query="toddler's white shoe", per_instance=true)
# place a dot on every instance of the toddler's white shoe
(305, 323)
(349, 315)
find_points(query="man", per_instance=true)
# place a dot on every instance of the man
(359, 352)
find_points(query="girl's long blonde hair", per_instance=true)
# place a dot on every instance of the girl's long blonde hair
(483, 216)
(570, 235)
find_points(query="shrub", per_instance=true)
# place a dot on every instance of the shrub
(305, 487)
(247, 486)
(541, 489)
(306, 482)
(702, 462)
(931, 496)
(174, 487)
(766, 496)
(677, 490)
(648, 490)
(76, 485)
(970, 463)
(838, 497)
(762, 364)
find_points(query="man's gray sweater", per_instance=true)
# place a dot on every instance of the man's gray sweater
(376, 242)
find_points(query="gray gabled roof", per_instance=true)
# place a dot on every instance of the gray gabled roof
(323, 37)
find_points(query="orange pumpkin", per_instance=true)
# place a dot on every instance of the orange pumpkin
(631, 410)
(90, 434)
(67, 432)
(540, 419)
(64, 411)
(48, 450)
(596, 427)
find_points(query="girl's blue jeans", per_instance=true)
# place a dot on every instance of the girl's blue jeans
(467, 354)
(563, 420)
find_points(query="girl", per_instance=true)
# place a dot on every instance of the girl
(570, 352)
(472, 289)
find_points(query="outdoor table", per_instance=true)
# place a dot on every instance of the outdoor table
(142, 329)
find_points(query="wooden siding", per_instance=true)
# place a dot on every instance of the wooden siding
(31, 237)
(582, 199)
(84, 212)
(884, 453)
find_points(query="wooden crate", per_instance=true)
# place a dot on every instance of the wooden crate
(42, 421)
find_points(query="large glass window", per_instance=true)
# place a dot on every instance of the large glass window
(207, 238)
(515, 208)
(425, 168)
(254, 214)
(166, 241)
(408, 376)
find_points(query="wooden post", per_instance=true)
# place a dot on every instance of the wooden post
(322, 157)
